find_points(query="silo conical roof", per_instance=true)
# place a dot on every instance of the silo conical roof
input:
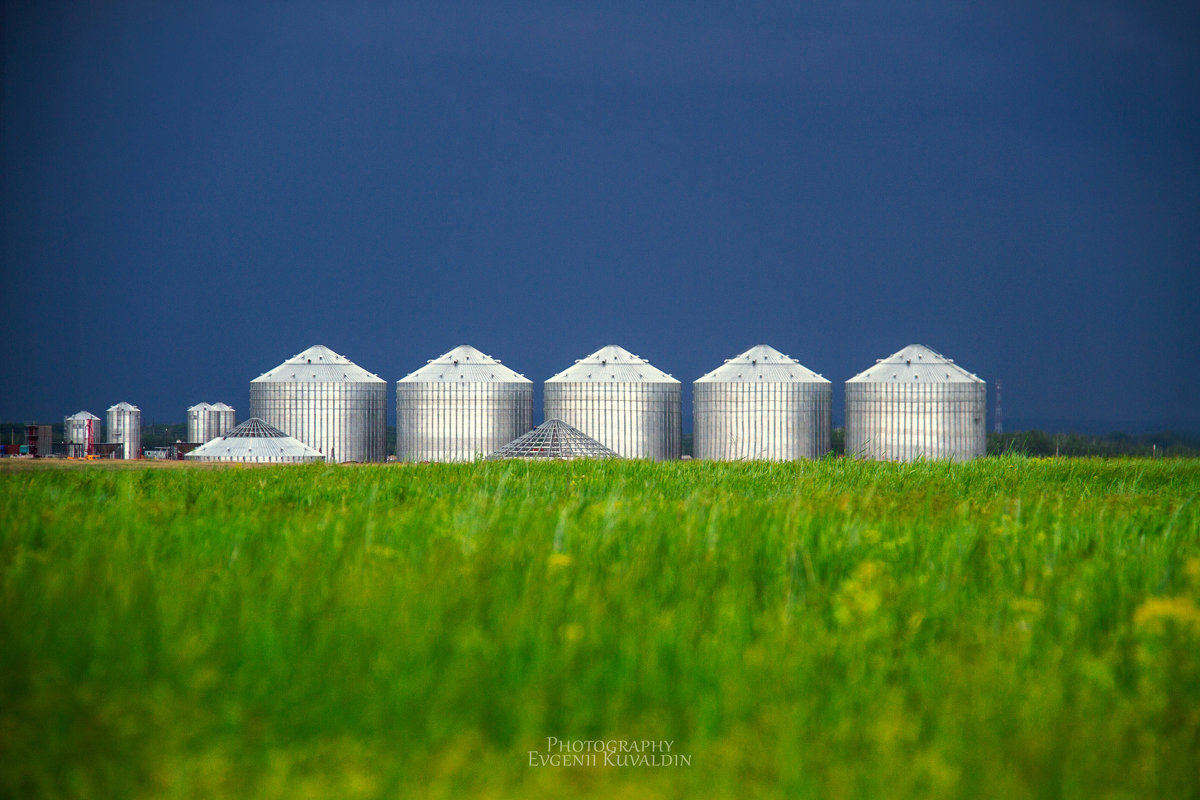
(83, 415)
(612, 364)
(200, 407)
(464, 364)
(220, 407)
(318, 364)
(122, 406)
(915, 363)
(553, 439)
(761, 363)
(255, 439)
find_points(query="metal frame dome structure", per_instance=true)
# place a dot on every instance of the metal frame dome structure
(916, 403)
(461, 405)
(762, 405)
(255, 442)
(125, 428)
(327, 402)
(621, 401)
(553, 439)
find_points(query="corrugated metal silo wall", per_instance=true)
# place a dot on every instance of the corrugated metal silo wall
(197, 425)
(906, 421)
(125, 427)
(447, 421)
(345, 421)
(220, 422)
(768, 420)
(637, 420)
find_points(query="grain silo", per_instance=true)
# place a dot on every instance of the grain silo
(621, 401)
(221, 419)
(125, 428)
(255, 442)
(915, 404)
(460, 406)
(762, 405)
(197, 422)
(327, 402)
(81, 432)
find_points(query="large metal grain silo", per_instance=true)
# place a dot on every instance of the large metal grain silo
(221, 419)
(460, 406)
(197, 422)
(125, 428)
(762, 405)
(327, 402)
(916, 404)
(621, 401)
(81, 431)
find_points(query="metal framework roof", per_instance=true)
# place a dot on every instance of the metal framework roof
(464, 364)
(255, 440)
(553, 439)
(318, 364)
(612, 364)
(915, 363)
(761, 363)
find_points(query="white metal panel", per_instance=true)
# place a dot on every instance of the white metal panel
(762, 420)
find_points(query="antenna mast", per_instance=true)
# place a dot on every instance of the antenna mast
(999, 411)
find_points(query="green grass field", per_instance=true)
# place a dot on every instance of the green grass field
(1006, 628)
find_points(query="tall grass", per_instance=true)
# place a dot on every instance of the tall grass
(1003, 628)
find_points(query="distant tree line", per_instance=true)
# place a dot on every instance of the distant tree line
(1040, 443)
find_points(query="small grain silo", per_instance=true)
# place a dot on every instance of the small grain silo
(80, 432)
(125, 428)
(197, 423)
(916, 404)
(255, 442)
(327, 402)
(460, 406)
(622, 401)
(221, 419)
(762, 405)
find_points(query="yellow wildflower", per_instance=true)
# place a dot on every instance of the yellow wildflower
(1157, 612)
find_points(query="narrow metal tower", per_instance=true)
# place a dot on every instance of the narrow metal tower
(999, 427)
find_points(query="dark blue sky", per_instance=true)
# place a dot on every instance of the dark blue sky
(194, 192)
